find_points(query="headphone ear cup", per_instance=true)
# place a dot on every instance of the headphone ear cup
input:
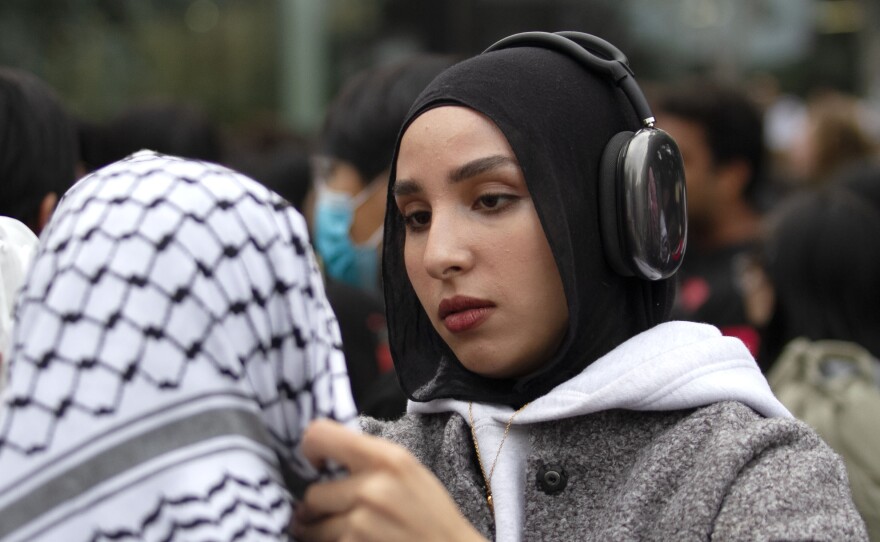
(611, 205)
(643, 202)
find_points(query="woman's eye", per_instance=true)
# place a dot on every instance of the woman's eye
(417, 220)
(494, 202)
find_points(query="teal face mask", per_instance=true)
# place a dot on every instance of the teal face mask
(356, 265)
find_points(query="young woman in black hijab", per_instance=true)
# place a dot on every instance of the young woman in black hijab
(550, 398)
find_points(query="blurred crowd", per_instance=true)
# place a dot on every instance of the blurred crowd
(337, 179)
(783, 198)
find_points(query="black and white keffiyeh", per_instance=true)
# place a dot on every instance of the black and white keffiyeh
(171, 342)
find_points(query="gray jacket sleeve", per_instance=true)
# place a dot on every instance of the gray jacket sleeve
(794, 488)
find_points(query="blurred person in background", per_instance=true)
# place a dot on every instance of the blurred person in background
(353, 157)
(161, 125)
(815, 292)
(863, 179)
(351, 167)
(720, 133)
(38, 162)
(822, 260)
(273, 155)
(39, 152)
(832, 138)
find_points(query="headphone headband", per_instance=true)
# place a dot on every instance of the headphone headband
(586, 49)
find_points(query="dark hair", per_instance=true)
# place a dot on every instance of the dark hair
(838, 138)
(732, 122)
(862, 178)
(823, 257)
(364, 119)
(38, 146)
(167, 127)
(275, 156)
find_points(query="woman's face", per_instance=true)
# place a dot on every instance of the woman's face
(475, 251)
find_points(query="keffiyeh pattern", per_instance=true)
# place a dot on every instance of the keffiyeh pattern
(172, 341)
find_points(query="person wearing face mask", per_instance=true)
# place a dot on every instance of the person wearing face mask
(530, 247)
(351, 166)
(346, 212)
(355, 263)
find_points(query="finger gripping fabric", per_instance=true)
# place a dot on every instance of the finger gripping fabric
(171, 343)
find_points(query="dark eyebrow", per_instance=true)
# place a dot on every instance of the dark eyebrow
(408, 187)
(481, 165)
(405, 187)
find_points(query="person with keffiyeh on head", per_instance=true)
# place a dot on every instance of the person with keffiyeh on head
(550, 397)
(172, 339)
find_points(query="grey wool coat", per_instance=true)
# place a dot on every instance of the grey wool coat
(721, 472)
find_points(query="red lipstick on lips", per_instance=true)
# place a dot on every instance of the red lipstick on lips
(462, 313)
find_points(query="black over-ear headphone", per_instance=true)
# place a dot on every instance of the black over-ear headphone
(641, 175)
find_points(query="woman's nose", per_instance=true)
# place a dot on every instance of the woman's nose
(447, 251)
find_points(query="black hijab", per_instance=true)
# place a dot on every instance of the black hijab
(557, 117)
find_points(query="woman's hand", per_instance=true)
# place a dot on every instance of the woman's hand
(388, 495)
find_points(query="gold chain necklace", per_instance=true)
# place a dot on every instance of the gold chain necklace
(488, 479)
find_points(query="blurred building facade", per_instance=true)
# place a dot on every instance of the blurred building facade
(239, 58)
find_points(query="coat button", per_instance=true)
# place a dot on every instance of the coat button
(552, 479)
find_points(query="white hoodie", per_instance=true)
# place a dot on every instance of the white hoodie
(17, 245)
(673, 366)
